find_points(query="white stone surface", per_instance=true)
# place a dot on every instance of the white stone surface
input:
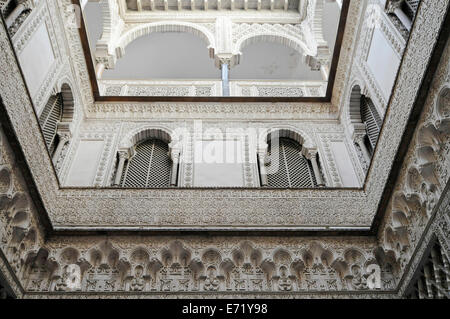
(37, 58)
(383, 62)
(218, 163)
(85, 163)
(344, 164)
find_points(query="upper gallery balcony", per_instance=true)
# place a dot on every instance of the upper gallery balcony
(210, 48)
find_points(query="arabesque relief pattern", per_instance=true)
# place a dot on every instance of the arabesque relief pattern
(282, 266)
(236, 265)
(167, 264)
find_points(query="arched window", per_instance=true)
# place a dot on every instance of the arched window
(50, 117)
(370, 117)
(149, 167)
(55, 120)
(363, 111)
(293, 169)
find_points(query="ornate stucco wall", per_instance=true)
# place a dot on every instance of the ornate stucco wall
(37, 261)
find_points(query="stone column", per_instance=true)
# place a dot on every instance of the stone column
(175, 155)
(139, 5)
(394, 7)
(225, 67)
(262, 167)
(83, 4)
(325, 71)
(14, 15)
(321, 62)
(312, 156)
(224, 50)
(64, 138)
(359, 139)
(123, 155)
(99, 68)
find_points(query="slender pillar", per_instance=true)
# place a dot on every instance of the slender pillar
(325, 71)
(139, 5)
(225, 67)
(175, 163)
(83, 4)
(14, 15)
(403, 18)
(262, 168)
(63, 139)
(99, 68)
(360, 141)
(394, 7)
(316, 170)
(123, 155)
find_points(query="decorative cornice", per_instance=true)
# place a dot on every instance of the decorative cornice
(254, 208)
(148, 266)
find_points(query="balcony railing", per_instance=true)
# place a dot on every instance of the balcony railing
(256, 88)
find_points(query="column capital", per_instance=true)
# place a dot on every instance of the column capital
(225, 58)
(358, 131)
(63, 131)
(124, 153)
(64, 137)
(359, 138)
(263, 156)
(310, 154)
(226, 61)
(103, 57)
(392, 5)
(262, 147)
(175, 154)
(262, 150)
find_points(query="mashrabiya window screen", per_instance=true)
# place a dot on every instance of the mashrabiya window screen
(149, 167)
(410, 8)
(294, 170)
(370, 116)
(50, 116)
